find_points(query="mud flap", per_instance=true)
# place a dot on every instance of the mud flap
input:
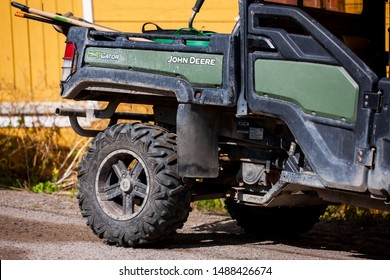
(197, 141)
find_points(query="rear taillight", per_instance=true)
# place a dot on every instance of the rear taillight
(69, 50)
(68, 67)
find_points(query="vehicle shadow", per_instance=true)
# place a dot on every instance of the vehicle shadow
(368, 242)
(220, 232)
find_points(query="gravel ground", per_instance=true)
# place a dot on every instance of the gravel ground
(50, 227)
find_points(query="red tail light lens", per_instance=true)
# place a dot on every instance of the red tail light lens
(70, 50)
(70, 58)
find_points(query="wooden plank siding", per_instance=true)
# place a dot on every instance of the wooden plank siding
(215, 15)
(30, 64)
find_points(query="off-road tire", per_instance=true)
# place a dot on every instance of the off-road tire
(129, 189)
(274, 222)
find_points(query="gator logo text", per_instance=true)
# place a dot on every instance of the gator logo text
(103, 55)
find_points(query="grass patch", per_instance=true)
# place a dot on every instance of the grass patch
(211, 206)
(32, 159)
(349, 213)
(46, 187)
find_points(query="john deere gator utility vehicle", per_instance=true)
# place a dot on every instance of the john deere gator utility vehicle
(283, 116)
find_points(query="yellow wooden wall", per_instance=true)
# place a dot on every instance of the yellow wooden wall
(31, 52)
(216, 15)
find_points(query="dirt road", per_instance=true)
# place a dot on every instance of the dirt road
(51, 227)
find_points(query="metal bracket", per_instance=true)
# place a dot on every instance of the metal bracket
(285, 179)
(372, 100)
(242, 106)
(366, 156)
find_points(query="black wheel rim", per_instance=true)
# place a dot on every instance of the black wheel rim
(122, 184)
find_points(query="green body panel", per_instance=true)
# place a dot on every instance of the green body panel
(197, 69)
(319, 89)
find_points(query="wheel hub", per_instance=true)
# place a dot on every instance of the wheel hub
(126, 185)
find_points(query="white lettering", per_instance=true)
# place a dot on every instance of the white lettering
(191, 60)
(109, 56)
(178, 59)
